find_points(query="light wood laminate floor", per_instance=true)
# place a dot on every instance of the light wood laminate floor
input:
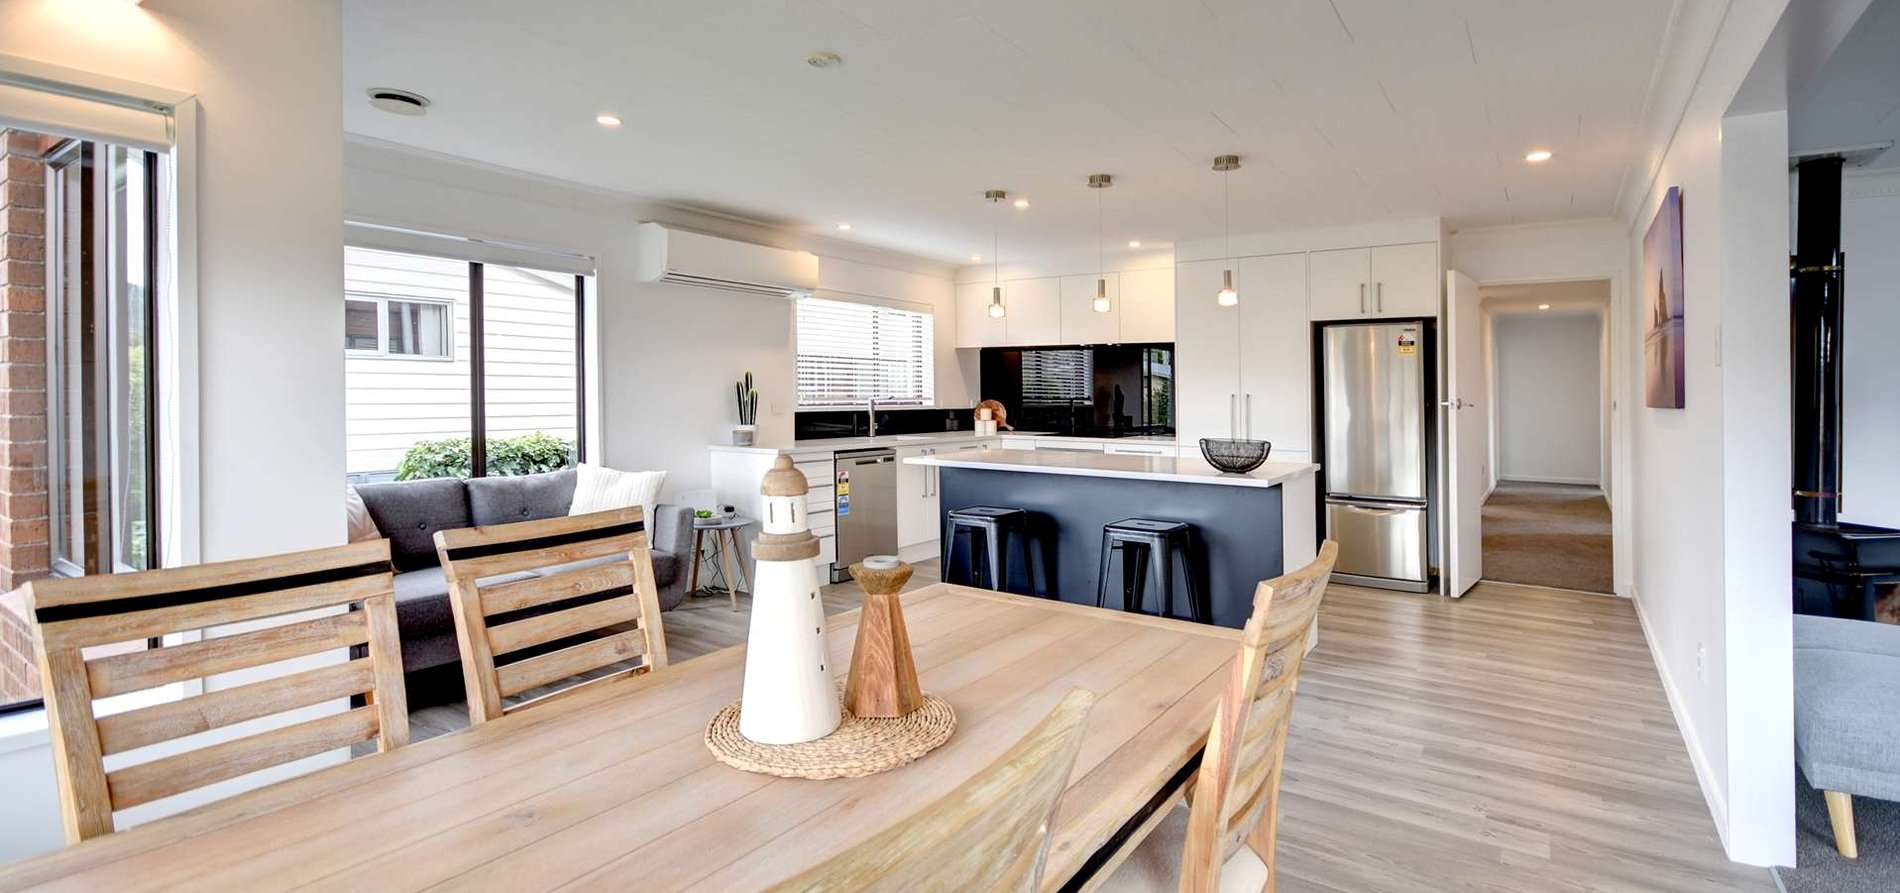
(1516, 739)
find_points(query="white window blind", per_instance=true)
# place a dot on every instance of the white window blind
(1057, 376)
(850, 354)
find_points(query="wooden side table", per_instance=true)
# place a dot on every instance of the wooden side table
(726, 561)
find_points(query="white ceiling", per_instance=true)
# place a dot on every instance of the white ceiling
(1855, 98)
(1344, 111)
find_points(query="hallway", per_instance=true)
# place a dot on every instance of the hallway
(1555, 535)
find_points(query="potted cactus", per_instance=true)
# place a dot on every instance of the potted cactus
(748, 397)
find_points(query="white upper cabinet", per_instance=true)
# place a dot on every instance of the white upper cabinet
(1206, 353)
(1035, 312)
(1080, 323)
(1275, 355)
(1147, 305)
(1386, 281)
(1405, 280)
(1340, 282)
(975, 328)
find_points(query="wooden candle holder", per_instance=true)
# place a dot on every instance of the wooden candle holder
(883, 679)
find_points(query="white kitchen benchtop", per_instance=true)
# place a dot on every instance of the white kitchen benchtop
(900, 441)
(1149, 468)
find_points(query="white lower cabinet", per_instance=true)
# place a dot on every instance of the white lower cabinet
(917, 502)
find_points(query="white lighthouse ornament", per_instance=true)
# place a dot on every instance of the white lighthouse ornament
(791, 695)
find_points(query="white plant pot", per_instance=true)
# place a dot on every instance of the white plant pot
(742, 434)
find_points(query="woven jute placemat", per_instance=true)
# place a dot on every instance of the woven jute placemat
(861, 746)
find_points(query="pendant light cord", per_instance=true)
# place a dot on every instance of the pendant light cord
(996, 242)
(1227, 216)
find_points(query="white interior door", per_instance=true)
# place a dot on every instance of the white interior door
(1467, 437)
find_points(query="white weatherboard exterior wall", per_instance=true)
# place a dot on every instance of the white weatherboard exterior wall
(395, 401)
(666, 355)
(1548, 385)
(1870, 417)
(267, 78)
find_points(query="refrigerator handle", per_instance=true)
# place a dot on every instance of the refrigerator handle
(1362, 297)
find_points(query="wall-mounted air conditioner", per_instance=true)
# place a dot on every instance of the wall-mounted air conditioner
(688, 258)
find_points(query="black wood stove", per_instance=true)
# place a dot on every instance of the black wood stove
(1839, 569)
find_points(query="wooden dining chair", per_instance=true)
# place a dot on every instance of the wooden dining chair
(990, 835)
(74, 616)
(1234, 797)
(588, 602)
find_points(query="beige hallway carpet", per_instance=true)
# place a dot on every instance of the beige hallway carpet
(1548, 535)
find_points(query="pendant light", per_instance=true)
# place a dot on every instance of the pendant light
(1099, 182)
(1227, 296)
(996, 309)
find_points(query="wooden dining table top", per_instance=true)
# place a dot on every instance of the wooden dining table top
(612, 787)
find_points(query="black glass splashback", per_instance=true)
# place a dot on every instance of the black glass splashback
(816, 425)
(1118, 390)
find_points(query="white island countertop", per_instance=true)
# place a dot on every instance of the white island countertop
(1147, 468)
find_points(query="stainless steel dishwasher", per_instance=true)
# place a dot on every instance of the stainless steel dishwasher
(866, 516)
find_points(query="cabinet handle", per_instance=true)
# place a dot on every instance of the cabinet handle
(1247, 420)
(1362, 297)
(1233, 411)
(1379, 295)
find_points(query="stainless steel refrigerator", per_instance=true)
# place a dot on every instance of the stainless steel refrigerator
(1376, 451)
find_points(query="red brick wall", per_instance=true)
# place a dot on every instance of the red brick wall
(25, 549)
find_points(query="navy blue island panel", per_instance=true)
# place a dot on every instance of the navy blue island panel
(1237, 543)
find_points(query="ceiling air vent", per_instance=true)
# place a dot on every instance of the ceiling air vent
(398, 102)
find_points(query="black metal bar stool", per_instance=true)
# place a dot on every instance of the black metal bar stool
(995, 524)
(1141, 542)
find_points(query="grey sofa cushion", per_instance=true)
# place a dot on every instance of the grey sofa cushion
(1847, 706)
(424, 621)
(410, 512)
(528, 497)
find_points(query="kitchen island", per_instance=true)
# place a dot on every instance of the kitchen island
(1248, 527)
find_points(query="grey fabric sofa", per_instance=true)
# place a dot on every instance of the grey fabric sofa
(1847, 714)
(409, 513)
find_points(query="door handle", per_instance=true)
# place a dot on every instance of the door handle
(1379, 296)
(1362, 297)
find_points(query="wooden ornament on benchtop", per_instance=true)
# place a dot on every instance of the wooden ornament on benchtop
(883, 679)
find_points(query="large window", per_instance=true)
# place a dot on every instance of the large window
(850, 354)
(102, 247)
(459, 369)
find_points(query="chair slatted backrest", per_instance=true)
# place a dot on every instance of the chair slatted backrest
(591, 603)
(1236, 792)
(74, 615)
(990, 835)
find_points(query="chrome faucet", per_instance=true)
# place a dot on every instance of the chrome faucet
(872, 412)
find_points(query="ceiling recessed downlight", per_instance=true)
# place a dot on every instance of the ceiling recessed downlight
(1134, 243)
(976, 258)
(1022, 203)
(398, 102)
(606, 120)
(1537, 155)
(844, 227)
(1543, 306)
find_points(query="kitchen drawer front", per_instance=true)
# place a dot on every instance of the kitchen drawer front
(822, 522)
(827, 551)
(1140, 449)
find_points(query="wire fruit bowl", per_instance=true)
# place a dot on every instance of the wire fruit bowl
(1235, 456)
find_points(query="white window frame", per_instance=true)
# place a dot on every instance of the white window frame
(382, 327)
(927, 356)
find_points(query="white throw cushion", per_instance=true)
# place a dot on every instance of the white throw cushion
(362, 526)
(1156, 863)
(598, 488)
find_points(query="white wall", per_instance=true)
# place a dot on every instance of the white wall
(268, 81)
(1870, 233)
(668, 354)
(1710, 481)
(1548, 385)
